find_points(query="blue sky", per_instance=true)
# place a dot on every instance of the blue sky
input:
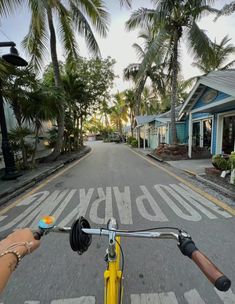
(118, 44)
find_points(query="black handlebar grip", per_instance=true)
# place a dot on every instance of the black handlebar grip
(38, 234)
(223, 283)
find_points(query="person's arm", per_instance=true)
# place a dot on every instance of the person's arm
(15, 246)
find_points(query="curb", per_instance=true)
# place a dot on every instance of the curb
(217, 187)
(30, 183)
(155, 157)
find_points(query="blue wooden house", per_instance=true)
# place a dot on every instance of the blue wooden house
(209, 113)
(155, 129)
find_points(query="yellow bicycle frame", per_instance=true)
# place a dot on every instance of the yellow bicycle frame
(112, 279)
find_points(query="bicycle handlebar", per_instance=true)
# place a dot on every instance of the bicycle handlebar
(185, 244)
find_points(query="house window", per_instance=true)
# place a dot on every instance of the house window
(228, 143)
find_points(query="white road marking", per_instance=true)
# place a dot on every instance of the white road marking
(154, 298)
(123, 200)
(16, 220)
(227, 297)
(81, 300)
(42, 203)
(81, 208)
(34, 197)
(3, 217)
(106, 198)
(64, 204)
(192, 216)
(147, 198)
(167, 298)
(46, 208)
(206, 202)
(193, 297)
(193, 201)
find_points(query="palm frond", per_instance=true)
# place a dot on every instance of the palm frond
(35, 42)
(95, 10)
(205, 10)
(139, 51)
(131, 71)
(155, 54)
(9, 6)
(227, 10)
(85, 30)
(67, 33)
(199, 42)
(139, 18)
(228, 65)
(126, 2)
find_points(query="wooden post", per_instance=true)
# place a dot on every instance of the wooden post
(144, 135)
(190, 136)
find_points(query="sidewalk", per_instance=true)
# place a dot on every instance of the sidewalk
(12, 188)
(193, 166)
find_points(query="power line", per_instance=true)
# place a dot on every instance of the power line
(5, 35)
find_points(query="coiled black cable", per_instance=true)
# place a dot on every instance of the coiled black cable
(80, 241)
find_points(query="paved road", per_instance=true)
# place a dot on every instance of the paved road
(113, 181)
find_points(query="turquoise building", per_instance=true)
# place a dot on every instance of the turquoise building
(209, 113)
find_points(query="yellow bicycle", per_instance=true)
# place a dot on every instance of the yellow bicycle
(80, 234)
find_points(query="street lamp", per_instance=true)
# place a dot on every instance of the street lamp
(10, 169)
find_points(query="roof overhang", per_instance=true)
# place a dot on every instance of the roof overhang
(199, 88)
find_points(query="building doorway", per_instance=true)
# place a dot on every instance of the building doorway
(196, 134)
(228, 141)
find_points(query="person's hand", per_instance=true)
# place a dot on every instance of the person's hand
(19, 236)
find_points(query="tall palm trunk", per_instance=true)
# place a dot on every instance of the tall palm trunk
(138, 93)
(58, 84)
(174, 86)
(33, 161)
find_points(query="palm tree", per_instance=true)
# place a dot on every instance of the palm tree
(216, 57)
(130, 102)
(172, 19)
(119, 112)
(139, 76)
(72, 15)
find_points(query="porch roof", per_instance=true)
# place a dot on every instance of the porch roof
(222, 81)
(142, 120)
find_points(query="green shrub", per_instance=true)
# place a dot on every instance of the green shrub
(232, 160)
(221, 163)
(134, 143)
(129, 139)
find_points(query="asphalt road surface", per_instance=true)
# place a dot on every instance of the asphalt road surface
(114, 181)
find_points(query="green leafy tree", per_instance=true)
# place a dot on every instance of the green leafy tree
(71, 15)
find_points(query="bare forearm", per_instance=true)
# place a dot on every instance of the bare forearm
(12, 249)
(7, 266)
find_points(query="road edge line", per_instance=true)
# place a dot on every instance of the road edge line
(208, 196)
